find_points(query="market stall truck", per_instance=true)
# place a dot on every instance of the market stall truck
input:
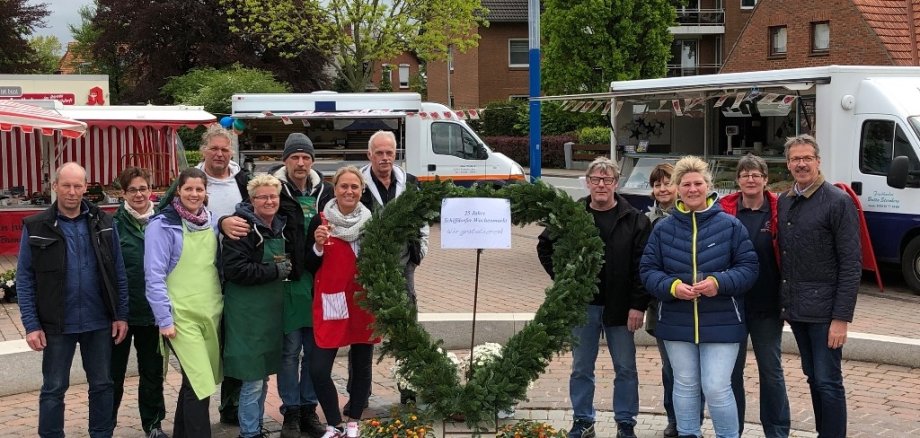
(866, 121)
(432, 140)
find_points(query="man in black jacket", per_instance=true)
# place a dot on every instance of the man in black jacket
(72, 290)
(618, 306)
(821, 267)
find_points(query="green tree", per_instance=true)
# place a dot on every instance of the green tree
(18, 20)
(213, 88)
(47, 54)
(589, 43)
(359, 33)
(386, 82)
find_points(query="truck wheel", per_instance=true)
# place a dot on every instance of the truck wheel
(910, 265)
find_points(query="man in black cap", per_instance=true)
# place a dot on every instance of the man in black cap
(303, 194)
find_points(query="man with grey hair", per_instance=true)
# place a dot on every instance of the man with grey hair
(73, 289)
(383, 182)
(618, 306)
(821, 266)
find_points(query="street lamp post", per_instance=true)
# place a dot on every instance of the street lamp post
(533, 13)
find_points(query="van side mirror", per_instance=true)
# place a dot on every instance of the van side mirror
(897, 172)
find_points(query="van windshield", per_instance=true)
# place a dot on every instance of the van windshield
(915, 124)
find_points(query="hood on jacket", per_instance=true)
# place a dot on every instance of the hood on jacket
(246, 211)
(315, 179)
(234, 169)
(679, 206)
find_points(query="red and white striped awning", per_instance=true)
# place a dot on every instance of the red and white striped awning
(30, 118)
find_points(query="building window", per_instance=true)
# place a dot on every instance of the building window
(403, 75)
(518, 53)
(386, 73)
(748, 4)
(683, 58)
(778, 40)
(820, 36)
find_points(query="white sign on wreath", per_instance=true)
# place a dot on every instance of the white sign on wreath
(475, 223)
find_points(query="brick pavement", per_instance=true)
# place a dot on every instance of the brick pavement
(884, 400)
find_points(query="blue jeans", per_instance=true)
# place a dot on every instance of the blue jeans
(96, 350)
(825, 380)
(295, 387)
(667, 381)
(710, 366)
(766, 337)
(252, 406)
(626, 381)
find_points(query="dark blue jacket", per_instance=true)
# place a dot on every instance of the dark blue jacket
(71, 276)
(689, 247)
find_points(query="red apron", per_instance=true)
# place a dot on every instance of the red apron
(338, 320)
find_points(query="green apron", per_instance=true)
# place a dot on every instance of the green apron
(193, 287)
(298, 294)
(252, 347)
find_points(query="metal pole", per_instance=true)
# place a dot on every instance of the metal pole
(475, 300)
(533, 8)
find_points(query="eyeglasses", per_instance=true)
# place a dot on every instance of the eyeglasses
(136, 190)
(264, 198)
(608, 180)
(808, 159)
(750, 176)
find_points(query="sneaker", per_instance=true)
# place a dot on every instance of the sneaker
(582, 429)
(351, 430)
(309, 422)
(333, 432)
(670, 431)
(157, 433)
(625, 430)
(290, 428)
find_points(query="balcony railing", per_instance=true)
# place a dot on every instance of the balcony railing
(699, 69)
(700, 17)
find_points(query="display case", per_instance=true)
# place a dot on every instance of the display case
(638, 167)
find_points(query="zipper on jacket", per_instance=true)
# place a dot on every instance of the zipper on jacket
(737, 312)
(696, 316)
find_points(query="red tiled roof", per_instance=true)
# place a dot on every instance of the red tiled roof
(887, 18)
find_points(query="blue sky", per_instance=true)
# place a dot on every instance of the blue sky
(63, 13)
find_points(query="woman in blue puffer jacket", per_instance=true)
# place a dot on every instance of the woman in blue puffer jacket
(698, 263)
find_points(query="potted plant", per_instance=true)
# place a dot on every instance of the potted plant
(404, 422)
(8, 286)
(529, 429)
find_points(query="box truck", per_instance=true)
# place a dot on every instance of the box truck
(866, 121)
(432, 140)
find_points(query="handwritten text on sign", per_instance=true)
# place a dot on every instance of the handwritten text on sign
(476, 223)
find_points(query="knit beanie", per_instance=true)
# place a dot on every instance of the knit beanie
(297, 142)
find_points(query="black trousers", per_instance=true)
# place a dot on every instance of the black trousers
(193, 419)
(150, 401)
(360, 364)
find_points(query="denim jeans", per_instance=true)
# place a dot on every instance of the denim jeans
(622, 348)
(667, 381)
(96, 350)
(825, 380)
(710, 366)
(294, 384)
(252, 406)
(766, 337)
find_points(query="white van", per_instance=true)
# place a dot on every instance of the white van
(866, 121)
(433, 140)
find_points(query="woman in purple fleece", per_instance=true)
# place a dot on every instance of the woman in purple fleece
(183, 289)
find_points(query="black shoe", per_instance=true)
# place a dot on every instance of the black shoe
(231, 418)
(625, 430)
(309, 422)
(670, 431)
(582, 429)
(290, 428)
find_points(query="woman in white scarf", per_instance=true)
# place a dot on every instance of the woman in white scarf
(338, 320)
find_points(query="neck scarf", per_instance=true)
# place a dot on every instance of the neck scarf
(141, 218)
(346, 226)
(196, 222)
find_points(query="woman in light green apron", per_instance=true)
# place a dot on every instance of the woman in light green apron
(183, 290)
(255, 268)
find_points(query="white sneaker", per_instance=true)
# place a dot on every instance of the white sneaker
(333, 432)
(351, 430)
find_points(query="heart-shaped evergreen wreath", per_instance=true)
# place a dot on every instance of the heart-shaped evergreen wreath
(577, 259)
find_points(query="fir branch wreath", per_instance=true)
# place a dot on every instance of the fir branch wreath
(577, 259)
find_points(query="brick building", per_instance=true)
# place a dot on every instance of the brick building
(704, 33)
(802, 33)
(402, 70)
(497, 69)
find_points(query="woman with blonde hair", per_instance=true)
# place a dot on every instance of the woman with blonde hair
(255, 268)
(699, 263)
(338, 319)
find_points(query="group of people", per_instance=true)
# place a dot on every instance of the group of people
(708, 274)
(240, 276)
